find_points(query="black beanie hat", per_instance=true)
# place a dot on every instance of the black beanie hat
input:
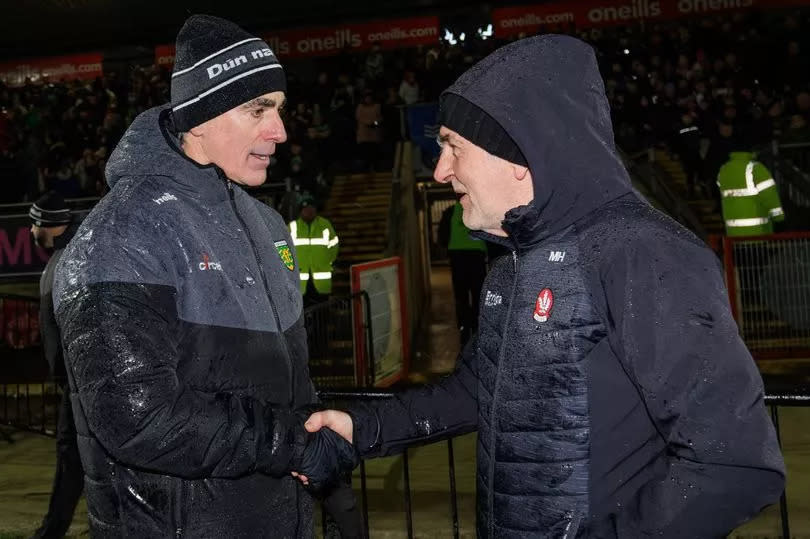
(50, 210)
(219, 66)
(475, 125)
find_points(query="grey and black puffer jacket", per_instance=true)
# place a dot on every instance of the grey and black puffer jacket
(612, 394)
(181, 318)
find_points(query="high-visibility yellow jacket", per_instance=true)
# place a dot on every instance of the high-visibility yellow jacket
(460, 239)
(316, 245)
(750, 198)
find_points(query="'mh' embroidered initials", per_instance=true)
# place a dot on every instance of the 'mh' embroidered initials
(556, 256)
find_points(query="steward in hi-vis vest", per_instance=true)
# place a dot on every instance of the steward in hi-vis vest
(750, 199)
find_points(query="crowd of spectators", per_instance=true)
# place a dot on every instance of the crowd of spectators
(700, 87)
(707, 86)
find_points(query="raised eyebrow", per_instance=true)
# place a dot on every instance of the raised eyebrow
(264, 102)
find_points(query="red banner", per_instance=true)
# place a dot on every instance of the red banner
(593, 13)
(324, 41)
(77, 66)
(164, 55)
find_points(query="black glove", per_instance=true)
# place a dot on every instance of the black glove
(324, 457)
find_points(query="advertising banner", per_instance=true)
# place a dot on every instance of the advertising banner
(53, 69)
(530, 19)
(328, 40)
(18, 254)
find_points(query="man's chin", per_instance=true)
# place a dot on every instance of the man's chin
(252, 180)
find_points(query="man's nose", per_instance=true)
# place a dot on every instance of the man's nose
(273, 129)
(443, 171)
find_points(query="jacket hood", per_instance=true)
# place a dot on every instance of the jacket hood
(547, 93)
(150, 148)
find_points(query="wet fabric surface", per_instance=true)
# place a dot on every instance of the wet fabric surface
(184, 339)
(612, 394)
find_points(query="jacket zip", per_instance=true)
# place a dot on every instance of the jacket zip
(179, 506)
(266, 284)
(493, 428)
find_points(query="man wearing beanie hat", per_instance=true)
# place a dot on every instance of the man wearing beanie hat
(52, 227)
(611, 391)
(181, 317)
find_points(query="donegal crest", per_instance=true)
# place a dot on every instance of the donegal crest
(285, 254)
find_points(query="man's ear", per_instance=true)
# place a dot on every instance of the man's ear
(520, 172)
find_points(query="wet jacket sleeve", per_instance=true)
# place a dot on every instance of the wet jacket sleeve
(671, 327)
(421, 415)
(120, 345)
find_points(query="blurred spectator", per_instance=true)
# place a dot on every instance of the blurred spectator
(409, 88)
(687, 146)
(716, 69)
(369, 131)
(375, 65)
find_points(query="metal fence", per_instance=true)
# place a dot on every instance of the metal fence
(768, 280)
(331, 335)
(790, 165)
(32, 407)
(434, 199)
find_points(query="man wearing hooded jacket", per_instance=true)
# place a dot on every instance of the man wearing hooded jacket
(181, 317)
(610, 389)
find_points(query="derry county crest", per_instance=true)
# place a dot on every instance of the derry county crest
(285, 254)
(543, 305)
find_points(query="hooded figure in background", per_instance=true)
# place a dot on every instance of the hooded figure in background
(181, 317)
(611, 392)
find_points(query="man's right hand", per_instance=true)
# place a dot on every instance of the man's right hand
(338, 421)
(325, 458)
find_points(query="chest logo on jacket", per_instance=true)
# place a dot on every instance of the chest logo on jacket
(543, 305)
(207, 265)
(493, 299)
(285, 254)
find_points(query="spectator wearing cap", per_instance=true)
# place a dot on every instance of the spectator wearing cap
(316, 245)
(52, 227)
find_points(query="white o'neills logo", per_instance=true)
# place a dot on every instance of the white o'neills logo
(207, 265)
(217, 69)
(543, 305)
(165, 197)
(636, 9)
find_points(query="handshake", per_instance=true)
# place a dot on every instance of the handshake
(315, 448)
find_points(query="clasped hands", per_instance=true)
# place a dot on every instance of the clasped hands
(324, 450)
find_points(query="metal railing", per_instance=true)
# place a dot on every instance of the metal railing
(332, 340)
(650, 177)
(31, 407)
(768, 281)
(29, 397)
(790, 166)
